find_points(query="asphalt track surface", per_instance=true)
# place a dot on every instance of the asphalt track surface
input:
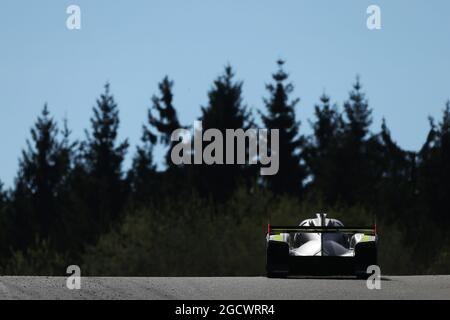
(233, 288)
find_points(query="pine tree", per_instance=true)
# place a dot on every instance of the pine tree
(143, 175)
(358, 116)
(42, 171)
(3, 202)
(79, 221)
(66, 192)
(103, 160)
(225, 110)
(5, 235)
(281, 116)
(354, 157)
(434, 169)
(66, 155)
(166, 120)
(327, 127)
(394, 168)
(397, 164)
(2, 195)
(322, 150)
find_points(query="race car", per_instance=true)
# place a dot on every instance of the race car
(320, 247)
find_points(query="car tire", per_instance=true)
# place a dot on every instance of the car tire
(277, 259)
(366, 254)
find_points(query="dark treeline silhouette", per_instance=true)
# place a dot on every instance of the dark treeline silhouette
(73, 202)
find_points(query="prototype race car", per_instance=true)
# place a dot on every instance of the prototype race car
(320, 247)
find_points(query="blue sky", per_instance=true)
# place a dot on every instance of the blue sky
(405, 67)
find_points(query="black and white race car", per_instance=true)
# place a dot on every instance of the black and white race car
(320, 246)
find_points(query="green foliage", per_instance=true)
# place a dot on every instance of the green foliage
(194, 241)
(38, 259)
(206, 240)
(442, 263)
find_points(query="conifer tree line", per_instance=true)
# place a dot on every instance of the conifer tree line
(74, 202)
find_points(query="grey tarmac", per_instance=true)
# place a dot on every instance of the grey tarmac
(225, 288)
